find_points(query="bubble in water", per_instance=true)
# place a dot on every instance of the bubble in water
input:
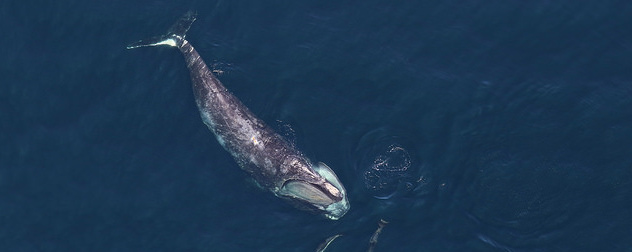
(384, 166)
(388, 172)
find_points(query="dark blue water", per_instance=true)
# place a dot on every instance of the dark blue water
(468, 125)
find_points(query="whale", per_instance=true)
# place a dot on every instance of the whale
(274, 163)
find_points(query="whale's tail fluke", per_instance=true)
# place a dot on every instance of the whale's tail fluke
(174, 36)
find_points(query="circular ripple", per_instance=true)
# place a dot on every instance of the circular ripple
(385, 164)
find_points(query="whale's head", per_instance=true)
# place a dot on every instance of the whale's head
(320, 192)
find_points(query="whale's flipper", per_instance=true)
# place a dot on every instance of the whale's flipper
(174, 36)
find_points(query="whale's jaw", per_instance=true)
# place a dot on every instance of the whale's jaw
(327, 196)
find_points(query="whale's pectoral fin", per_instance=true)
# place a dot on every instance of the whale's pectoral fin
(174, 36)
(325, 244)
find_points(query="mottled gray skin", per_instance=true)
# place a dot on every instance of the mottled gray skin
(274, 163)
(258, 150)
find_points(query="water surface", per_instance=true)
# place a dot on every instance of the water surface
(496, 126)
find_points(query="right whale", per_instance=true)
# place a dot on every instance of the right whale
(272, 161)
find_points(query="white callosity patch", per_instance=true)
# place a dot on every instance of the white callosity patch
(247, 131)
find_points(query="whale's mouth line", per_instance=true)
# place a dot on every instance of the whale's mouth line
(308, 192)
(316, 197)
